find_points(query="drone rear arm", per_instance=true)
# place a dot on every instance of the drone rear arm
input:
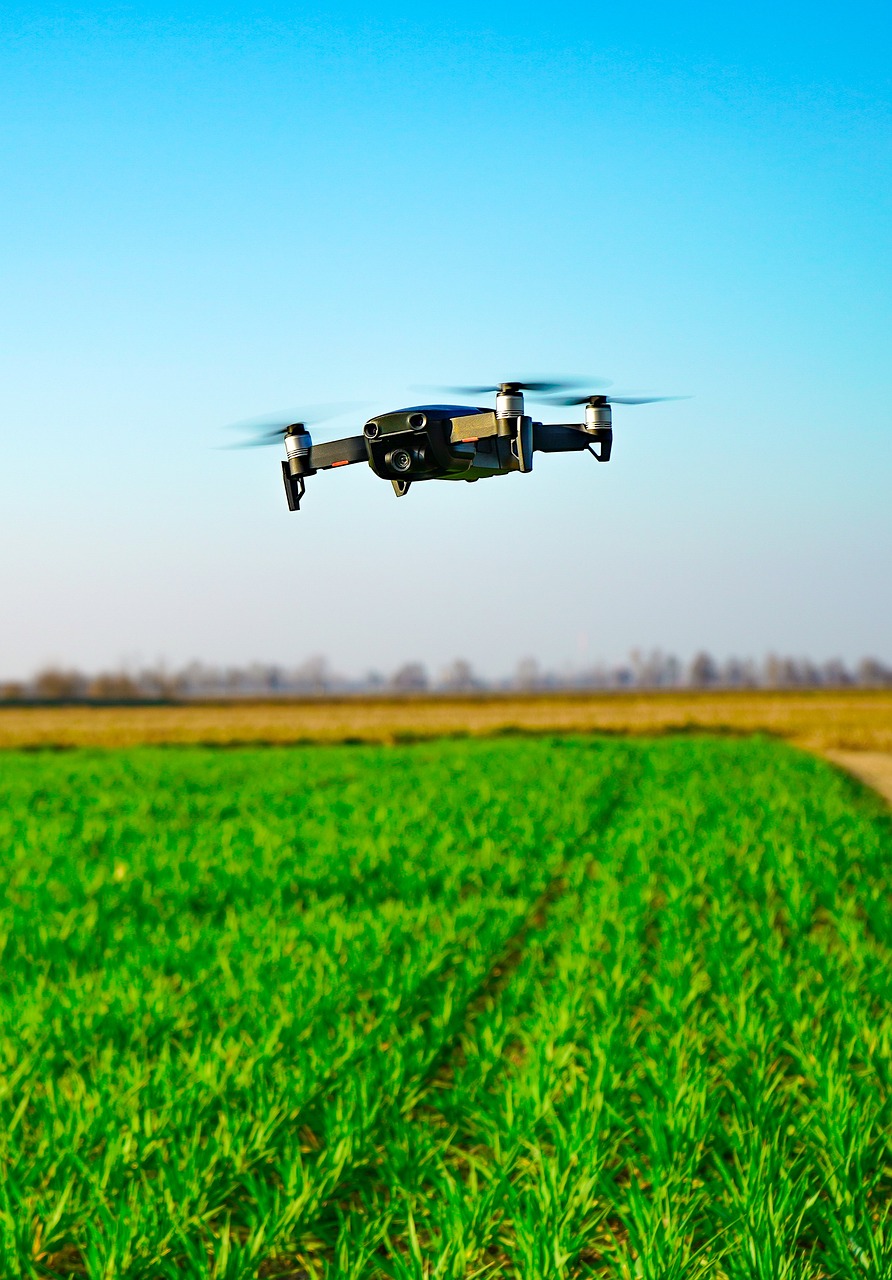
(561, 437)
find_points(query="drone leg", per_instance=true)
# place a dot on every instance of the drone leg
(295, 488)
(604, 437)
(522, 444)
(401, 487)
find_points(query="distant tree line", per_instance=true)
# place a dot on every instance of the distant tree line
(316, 678)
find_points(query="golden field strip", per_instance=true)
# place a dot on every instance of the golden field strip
(824, 720)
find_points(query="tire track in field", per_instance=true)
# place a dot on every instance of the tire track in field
(486, 992)
(503, 968)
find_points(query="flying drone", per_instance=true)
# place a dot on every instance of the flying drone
(454, 441)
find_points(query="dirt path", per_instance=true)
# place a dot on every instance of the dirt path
(872, 767)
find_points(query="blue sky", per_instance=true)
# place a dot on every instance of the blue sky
(210, 213)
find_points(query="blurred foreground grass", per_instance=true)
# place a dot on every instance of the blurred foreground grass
(853, 720)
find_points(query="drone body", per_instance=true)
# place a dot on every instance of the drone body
(448, 442)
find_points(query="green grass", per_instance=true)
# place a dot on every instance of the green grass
(533, 1008)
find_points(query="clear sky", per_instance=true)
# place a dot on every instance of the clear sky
(211, 212)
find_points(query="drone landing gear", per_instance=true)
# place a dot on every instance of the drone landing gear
(604, 437)
(401, 487)
(295, 488)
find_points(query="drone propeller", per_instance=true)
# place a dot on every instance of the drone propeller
(537, 387)
(602, 399)
(271, 429)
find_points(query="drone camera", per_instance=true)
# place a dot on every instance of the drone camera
(399, 460)
(412, 443)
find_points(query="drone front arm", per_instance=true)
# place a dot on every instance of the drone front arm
(565, 437)
(319, 457)
(337, 453)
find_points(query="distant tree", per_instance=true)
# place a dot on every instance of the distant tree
(459, 677)
(810, 676)
(670, 671)
(12, 691)
(873, 674)
(780, 673)
(796, 673)
(596, 677)
(53, 685)
(112, 687)
(198, 680)
(312, 676)
(156, 683)
(656, 670)
(703, 672)
(528, 675)
(410, 678)
(836, 675)
(738, 674)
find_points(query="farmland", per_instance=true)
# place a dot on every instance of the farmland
(533, 1007)
(819, 719)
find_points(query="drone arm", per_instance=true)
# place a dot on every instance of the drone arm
(337, 453)
(319, 457)
(553, 437)
(566, 437)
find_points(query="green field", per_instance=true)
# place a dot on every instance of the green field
(512, 1007)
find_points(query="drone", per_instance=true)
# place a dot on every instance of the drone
(454, 441)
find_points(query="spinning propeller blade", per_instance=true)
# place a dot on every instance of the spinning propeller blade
(578, 400)
(537, 387)
(271, 428)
